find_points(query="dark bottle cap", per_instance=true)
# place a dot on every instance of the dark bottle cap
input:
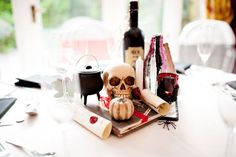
(133, 5)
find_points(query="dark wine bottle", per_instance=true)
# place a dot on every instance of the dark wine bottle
(133, 42)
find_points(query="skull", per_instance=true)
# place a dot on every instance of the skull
(119, 80)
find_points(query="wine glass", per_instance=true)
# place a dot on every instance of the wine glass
(168, 86)
(205, 44)
(61, 108)
(227, 110)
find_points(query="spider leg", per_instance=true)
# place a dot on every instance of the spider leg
(173, 125)
(167, 126)
(164, 125)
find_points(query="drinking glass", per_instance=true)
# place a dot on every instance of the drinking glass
(205, 44)
(227, 110)
(61, 108)
(168, 86)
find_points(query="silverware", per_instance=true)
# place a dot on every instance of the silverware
(9, 123)
(30, 109)
(226, 89)
(3, 152)
(31, 152)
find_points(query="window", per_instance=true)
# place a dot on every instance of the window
(150, 17)
(192, 10)
(56, 12)
(73, 21)
(155, 16)
(7, 33)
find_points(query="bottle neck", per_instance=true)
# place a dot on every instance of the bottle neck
(133, 18)
(133, 14)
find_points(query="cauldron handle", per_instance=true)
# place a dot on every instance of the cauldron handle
(87, 56)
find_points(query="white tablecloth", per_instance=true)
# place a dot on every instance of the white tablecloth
(200, 130)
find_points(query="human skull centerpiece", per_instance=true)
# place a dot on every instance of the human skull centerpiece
(119, 80)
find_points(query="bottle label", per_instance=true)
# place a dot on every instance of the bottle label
(132, 54)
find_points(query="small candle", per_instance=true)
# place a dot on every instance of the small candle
(139, 73)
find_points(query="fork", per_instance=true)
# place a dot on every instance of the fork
(31, 152)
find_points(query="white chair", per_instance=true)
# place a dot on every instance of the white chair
(223, 55)
(88, 35)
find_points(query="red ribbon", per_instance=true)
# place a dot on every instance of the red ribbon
(106, 101)
(141, 116)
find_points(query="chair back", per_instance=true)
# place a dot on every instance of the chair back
(223, 55)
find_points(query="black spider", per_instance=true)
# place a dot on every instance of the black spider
(166, 124)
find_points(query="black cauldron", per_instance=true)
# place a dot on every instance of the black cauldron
(90, 82)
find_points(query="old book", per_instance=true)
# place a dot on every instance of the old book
(173, 114)
(142, 116)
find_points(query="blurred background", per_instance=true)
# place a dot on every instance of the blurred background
(33, 31)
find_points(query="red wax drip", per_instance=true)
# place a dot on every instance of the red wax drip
(93, 119)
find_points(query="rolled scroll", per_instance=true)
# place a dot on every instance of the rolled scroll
(155, 102)
(93, 122)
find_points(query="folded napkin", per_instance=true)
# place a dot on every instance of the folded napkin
(182, 67)
(36, 81)
(27, 83)
(5, 105)
(232, 84)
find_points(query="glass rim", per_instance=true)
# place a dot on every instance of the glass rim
(174, 75)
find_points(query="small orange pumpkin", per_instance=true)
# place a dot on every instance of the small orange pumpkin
(121, 108)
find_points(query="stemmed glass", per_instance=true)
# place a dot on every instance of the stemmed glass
(205, 44)
(227, 110)
(61, 107)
